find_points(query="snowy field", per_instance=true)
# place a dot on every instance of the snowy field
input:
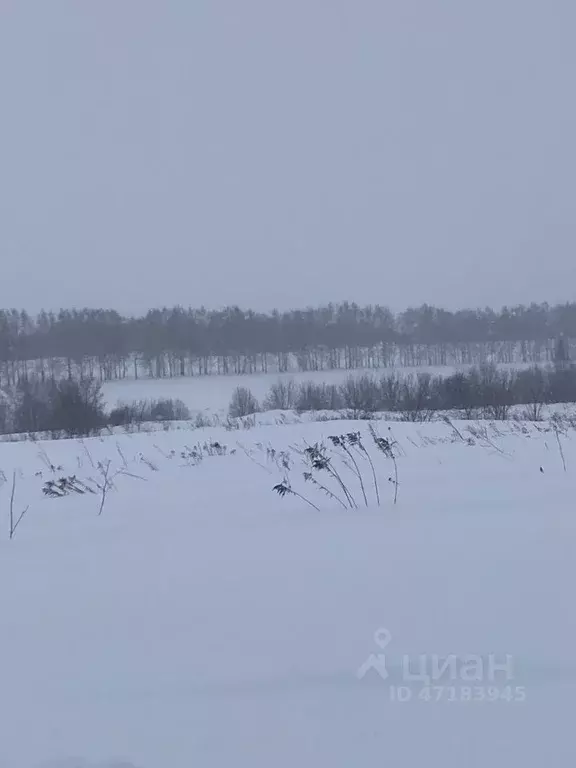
(202, 620)
(212, 394)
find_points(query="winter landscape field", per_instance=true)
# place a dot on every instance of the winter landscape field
(211, 395)
(287, 384)
(164, 607)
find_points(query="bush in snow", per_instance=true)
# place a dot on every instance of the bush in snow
(281, 397)
(141, 411)
(318, 397)
(243, 403)
(72, 407)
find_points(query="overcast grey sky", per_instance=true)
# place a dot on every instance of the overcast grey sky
(287, 152)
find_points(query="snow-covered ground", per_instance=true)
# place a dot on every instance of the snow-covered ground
(202, 620)
(212, 394)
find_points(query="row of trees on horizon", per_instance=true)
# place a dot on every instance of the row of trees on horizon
(71, 408)
(182, 342)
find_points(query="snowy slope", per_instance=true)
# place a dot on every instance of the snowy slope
(203, 621)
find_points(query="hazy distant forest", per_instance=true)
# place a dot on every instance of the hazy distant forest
(104, 345)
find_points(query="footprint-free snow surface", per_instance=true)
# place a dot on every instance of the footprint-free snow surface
(203, 620)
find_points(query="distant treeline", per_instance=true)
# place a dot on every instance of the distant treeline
(71, 408)
(479, 393)
(102, 344)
